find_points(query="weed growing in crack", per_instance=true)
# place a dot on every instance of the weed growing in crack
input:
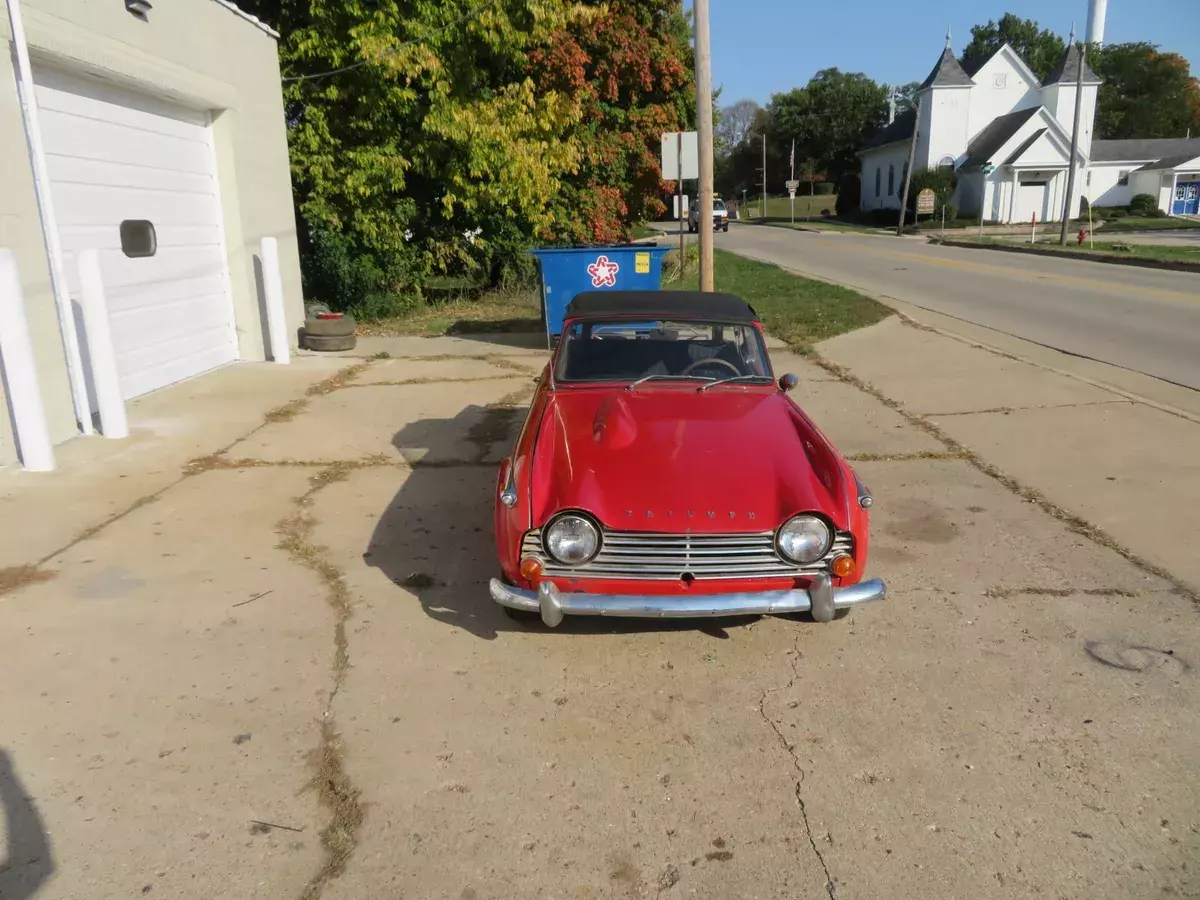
(287, 412)
(1006, 592)
(338, 380)
(14, 578)
(335, 791)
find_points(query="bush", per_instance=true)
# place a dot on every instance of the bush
(826, 212)
(951, 213)
(849, 196)
(1113, 213)
(824, 187)
(348, 277)
(1143, 205)
(884, 218)
(1156, 213)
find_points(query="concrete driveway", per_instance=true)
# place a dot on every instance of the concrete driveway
(281, 676)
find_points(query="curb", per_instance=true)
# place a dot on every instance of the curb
(1169, 265)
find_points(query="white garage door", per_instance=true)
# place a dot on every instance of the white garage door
(114, 157)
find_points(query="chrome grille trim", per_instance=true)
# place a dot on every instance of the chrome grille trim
(667, 557)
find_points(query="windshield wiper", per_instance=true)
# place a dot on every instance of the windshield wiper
(646, 378)
(734, 380)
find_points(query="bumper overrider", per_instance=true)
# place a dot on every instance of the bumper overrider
(821, 599)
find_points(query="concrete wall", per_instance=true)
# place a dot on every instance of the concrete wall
(893, 155)
(198, 53)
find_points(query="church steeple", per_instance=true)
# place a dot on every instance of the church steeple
(947, 72)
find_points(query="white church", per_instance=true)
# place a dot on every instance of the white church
(1007, 135)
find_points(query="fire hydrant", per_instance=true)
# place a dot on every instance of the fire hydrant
(1082, 236)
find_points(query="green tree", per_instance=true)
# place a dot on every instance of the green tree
(1041, 49)
(829, 118)
(1145, 94)
(628, 65)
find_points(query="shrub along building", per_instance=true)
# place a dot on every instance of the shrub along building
(1006, 136)
(163, 147)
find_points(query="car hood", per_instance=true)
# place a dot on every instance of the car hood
(672, 459)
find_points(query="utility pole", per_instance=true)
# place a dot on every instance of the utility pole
(764, 171)
(1062, 237)
(704, 121)
(912, 155)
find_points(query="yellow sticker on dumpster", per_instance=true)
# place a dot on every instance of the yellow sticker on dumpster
(641, 263)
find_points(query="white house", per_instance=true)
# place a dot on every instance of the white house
(1007, 135)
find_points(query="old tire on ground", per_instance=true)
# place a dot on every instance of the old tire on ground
(330, 342)
(311, 309)
(329, 327)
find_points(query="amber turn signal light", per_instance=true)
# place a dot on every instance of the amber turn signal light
(530, 568)
(843, 566)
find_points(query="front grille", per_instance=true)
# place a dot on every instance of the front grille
(668, 557)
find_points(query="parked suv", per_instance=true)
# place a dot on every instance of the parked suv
(720, 216)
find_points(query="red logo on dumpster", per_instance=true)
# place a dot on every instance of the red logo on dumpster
(603, 272)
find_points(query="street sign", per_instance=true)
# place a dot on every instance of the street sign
(685, 206)
(988, 169)
(671, 142)
(926, 200)
(792, 185)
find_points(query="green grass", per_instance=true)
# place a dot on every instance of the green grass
(642, 230)
(489, 312)
(780, 208)
(1136, 223)
(1111, 248)
(797, 310)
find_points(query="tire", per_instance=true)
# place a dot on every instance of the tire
(725, 227)
(329, 342)
(329, 327)
(312, 309)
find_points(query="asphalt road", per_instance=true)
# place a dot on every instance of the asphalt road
(1144, 320)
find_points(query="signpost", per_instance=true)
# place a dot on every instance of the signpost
(791, 189)
(681, 158)
(986, 170)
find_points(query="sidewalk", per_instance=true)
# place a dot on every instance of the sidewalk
(1116, 461)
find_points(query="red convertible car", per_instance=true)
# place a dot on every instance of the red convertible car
(663, 472)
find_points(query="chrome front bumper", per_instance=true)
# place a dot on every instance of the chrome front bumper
(821, 598)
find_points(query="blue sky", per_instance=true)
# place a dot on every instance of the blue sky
(761, 47)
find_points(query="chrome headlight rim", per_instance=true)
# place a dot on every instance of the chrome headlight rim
(584, 517)
(827, 545)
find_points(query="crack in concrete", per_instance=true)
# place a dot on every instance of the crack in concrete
(407, 382)
(335, 789)
(1002, 593)
(905, 457)
(1011, 409)
(1076, 523)
(789, 748)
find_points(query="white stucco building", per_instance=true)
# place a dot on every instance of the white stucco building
(161, 144)
(1007, 135)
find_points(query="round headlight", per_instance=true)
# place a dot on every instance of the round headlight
(572, 539)
(804, 539)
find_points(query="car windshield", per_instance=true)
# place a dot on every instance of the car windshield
(625, 351)
(718, 205)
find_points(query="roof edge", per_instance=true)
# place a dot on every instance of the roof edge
(253, 20)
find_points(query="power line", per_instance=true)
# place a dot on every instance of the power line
(396, 49)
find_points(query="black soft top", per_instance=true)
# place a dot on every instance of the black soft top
(661, 305)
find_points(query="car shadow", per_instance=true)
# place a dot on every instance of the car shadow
(28, 861)
(434, 538)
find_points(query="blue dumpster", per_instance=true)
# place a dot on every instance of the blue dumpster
(568, 271)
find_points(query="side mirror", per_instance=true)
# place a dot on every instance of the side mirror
(788, 381)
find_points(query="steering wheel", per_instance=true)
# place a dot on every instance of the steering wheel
(712, 361)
